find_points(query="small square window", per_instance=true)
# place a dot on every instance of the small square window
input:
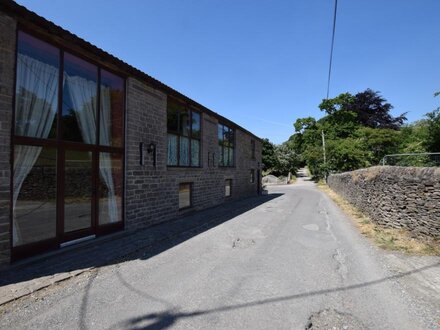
(228, 186)
(185, 191)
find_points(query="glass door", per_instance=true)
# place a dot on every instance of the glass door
(78, 208)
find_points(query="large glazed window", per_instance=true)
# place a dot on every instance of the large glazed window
(80, 92)
(112, 110)
(68, 145)
(184, 133)
(36, 93)
(35, 182)
(110, 187)
(226, 145)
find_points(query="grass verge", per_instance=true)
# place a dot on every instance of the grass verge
(386, 238)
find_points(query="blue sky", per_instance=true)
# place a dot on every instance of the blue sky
(262, 63)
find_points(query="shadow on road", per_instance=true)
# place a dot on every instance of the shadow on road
(136, 244)
(163, 320)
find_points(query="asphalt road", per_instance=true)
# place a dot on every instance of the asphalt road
(292, 262)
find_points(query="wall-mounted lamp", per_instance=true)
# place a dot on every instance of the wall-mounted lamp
(152, 149)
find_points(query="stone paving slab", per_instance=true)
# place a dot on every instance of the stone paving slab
(29, 276)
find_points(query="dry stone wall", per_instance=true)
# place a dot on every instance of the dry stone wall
(396, 197)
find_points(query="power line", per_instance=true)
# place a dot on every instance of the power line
(331, 49)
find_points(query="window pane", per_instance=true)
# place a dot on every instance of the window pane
(184, 123)
(112, 110)
(225, 156)
(184, 195)
(195, 153)
(220, 156)
(78, 190)
(172, 150)
(110, 188)
(252, 176)
(34, 194)
(79, 100)
(37, 88)
(172, 117)
(196, 124)
(184, 151)
(228, 184)
(231, 156)
(220, 134)
(229, 137)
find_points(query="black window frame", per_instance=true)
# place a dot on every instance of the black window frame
(225, 144)
(182, 108)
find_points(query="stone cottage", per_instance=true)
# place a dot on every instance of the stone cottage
(90, 145)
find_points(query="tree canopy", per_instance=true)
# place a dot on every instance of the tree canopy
(359, 131)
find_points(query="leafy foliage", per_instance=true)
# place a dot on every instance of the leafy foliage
(369, 107)
(359, 131)
(279, 160)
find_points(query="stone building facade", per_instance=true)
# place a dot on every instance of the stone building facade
(125, 176)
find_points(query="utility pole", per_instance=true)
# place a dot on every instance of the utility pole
(325, 159)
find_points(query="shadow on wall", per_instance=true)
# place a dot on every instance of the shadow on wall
(136, 244)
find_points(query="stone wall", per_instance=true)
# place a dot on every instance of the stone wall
(396, 197)
(152, 192)
(7, 62)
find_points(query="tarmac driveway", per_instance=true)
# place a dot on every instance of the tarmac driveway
(293, 262)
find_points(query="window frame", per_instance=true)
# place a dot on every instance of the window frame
(230, 188)
(221, 144)
(191, 187)
(61, 146)
(182, 107)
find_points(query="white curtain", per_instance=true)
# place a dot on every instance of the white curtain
(195, 153)
(83, 95)
(172, 150)
(35, 109)
(184, 151)
(105, 162)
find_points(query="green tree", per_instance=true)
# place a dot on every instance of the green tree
(287, 160)
(347, 155)
(379, 142)
(269, 158)
(369, 107)
(432, 142)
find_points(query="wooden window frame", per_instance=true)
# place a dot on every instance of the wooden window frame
(61, 146)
